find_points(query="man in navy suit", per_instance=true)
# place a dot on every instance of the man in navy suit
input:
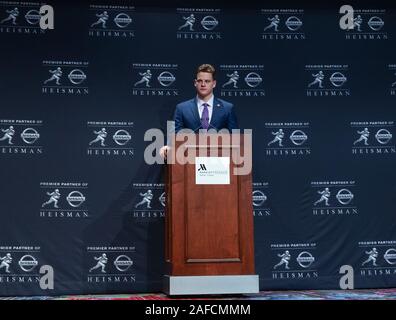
(204, 111)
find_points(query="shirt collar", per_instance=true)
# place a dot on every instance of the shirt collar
(209, 102)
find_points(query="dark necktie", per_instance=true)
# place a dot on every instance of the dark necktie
(205, 117)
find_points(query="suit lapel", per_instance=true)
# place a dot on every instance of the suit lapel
(194, 111)
(216, 111)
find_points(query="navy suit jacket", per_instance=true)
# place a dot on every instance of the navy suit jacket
(187, 116)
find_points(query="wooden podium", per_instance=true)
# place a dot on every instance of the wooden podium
(209, 243)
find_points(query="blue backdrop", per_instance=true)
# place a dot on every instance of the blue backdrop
(76, 101)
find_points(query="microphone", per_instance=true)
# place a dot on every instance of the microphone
(200, 127)
(194, 130)
(210, 126)
(197, 128)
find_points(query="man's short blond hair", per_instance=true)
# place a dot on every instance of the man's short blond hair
(207, 68)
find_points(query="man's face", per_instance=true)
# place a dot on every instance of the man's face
(204, 84)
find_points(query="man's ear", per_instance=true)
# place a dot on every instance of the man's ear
(214, 83)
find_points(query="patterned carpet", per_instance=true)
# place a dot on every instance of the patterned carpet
(373, 294)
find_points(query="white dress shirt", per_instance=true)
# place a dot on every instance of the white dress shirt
(201, 107)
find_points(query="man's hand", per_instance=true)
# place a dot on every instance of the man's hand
(164, 151)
